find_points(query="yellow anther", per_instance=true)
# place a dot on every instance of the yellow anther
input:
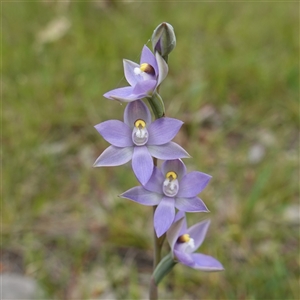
(140, 123)
(144, 67)
(147, 68)
(172, 175)
(185, 238)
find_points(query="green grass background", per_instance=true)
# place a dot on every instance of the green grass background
(233, 80)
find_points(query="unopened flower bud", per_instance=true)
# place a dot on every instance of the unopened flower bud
(163, 39)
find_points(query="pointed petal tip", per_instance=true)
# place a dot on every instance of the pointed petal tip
(116, 98)
(218, 269)
(96, 165)
(159, 234)
(207, 221)
(122, 195)
(159, 231)
(205, 210)
(106, 95)
(119, 99)
(186, 155)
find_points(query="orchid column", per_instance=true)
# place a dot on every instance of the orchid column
(143, 141)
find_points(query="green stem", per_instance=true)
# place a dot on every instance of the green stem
(158, 242)
(158, 109)
(153, 294)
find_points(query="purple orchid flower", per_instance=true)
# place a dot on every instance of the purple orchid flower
(139, 139)
(185, 241)
(143, 78)
(168, 188)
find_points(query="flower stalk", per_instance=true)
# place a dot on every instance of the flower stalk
(157, 242)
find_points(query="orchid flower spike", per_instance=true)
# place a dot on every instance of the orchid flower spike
(143, 78)
(168, 188)
(139, 139)
(185, 241)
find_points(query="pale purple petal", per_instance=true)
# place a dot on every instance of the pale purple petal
(164, 215)
(136, 110)
(130, 76)
(179, 215)
(142, 164)
(149, 58)
(184, 258)
(176, 166)
(155, 182)
(120, 93)
(127, 99)
(198, 232)
(144, 88)
(192, 184)
(163, 130)
(206, 263)
(116, 133)
(190, 204)
(162, 68)
(142, 196)
(174, 231)
(168, 151)
(114, 156)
